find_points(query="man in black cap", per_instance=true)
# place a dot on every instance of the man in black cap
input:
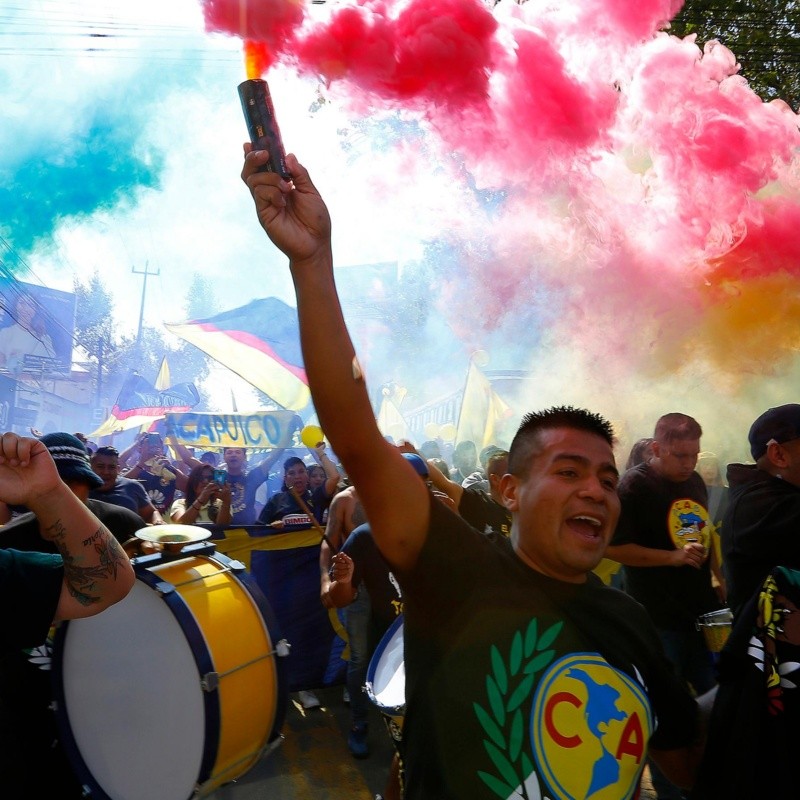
(754, 731)
(761, 527)
(73, 465)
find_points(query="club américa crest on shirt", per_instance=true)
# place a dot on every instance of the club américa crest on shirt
(561, 728)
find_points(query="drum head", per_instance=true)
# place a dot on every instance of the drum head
(386, 674)
(135, 713)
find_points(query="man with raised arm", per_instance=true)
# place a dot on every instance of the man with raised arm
(525, 676)
(95, 572)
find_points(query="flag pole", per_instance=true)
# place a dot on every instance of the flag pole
(314, 524)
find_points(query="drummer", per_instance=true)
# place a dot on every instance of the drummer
(31, 760)
(358, 571)
(359, 561)
(521, 669)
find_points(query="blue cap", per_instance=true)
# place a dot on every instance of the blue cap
(420, 467)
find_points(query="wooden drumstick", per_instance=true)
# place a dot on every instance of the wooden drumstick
(314, 524)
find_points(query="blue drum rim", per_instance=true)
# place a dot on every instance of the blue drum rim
(398, 711)
(201, 654)
(196, 641)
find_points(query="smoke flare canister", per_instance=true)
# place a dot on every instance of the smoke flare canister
(262, 125)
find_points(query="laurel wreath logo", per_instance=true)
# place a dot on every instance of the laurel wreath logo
(503, 723)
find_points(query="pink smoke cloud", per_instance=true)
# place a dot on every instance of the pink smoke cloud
(641, 174)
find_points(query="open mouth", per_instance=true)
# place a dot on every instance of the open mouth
(586, 525)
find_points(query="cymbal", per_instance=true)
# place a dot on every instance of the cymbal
(173, 537)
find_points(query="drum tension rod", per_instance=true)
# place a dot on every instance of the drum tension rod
(210, 681)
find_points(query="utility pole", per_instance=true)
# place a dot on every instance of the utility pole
(146, 274)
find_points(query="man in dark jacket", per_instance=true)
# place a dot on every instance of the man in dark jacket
(754, 735)
(761, 527)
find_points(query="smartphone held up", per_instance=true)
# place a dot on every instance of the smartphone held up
(262, 126)
(220, 476)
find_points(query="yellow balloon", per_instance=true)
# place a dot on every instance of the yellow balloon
(431, 430)
(311, 436)
(448, 432)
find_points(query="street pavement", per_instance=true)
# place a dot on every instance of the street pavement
(313, 760)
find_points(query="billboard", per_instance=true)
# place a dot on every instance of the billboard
(36, 328)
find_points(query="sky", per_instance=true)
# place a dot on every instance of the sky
(608, 207)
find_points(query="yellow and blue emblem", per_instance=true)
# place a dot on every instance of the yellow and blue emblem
(590, 725)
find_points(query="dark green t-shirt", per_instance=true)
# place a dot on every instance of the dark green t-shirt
(30, 585)
(665, 515)
(512, 676)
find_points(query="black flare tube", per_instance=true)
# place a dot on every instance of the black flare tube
(262, 125)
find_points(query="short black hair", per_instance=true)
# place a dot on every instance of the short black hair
(526, 439)
(640, 452)
(106, 450)
(291, 462)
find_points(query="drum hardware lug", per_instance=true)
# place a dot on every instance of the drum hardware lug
(283, 648)
(164, 587)
(270, 747)
(238, 566)
(210, 682)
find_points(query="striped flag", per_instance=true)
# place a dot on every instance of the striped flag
(260, 342)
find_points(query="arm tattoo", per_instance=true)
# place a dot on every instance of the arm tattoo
(82, 580)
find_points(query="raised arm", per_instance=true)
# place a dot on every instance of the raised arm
(334, 537)
(453, 490)
(332, 476)
(126, 455)
(97, 573)
(183, 452)
(296, 219)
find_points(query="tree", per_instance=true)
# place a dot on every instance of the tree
(94, 325)
(763, 34)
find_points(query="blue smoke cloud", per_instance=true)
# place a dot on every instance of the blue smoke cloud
(101, 166)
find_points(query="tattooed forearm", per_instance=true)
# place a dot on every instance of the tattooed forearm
(96, 535)
(82, 579)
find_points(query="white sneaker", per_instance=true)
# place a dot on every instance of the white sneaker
(308, 699)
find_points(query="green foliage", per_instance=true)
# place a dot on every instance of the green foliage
(503, 722)
(763, 35)
(94, 313)
(115, 356)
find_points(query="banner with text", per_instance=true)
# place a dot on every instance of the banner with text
(260, 429)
